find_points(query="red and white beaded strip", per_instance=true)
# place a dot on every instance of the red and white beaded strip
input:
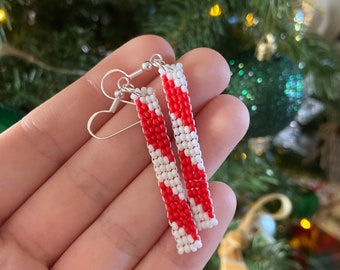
(183, 124)
(179, 215)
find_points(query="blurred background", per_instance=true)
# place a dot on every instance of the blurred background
(284, 56)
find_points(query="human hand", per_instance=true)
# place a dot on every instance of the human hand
(69, 201)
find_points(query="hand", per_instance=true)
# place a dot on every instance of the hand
(69, 201)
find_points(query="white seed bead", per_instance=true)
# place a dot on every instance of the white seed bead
(174, 191)
(156, 162)
(181, 232)
(174, 173)
(165, 160)
(176, 234)
(193, 248)
(193, 135)
(185, 240)
(177, 82)
(150, 106)
(174, 226)
(150, 91)
(200, 166)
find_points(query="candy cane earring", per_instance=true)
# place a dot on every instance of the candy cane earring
(178, 101)
(158, 142)
(151, 118)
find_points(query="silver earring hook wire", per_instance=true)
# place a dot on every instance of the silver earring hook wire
(124, 86)
(89, 124)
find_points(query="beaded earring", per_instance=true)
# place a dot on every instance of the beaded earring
(188, 209)
(159, 146)
(183, 124)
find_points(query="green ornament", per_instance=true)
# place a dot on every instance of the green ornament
(305, 203)
(272, 91)
(8, 116)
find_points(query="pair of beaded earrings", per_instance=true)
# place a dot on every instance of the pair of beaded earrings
(189, 206)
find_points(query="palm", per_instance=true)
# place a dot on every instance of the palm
(68, 201)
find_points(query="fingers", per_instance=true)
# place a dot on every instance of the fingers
(132, 225)
(49, 135)
(164, 256)
(80, 190)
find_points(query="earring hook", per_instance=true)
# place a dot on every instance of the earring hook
(89, 127)
(124, 86)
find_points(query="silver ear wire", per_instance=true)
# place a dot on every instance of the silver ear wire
(89, 127)
(124, 86)
(116, 100)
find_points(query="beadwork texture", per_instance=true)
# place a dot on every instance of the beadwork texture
(178, 101)
(180, 217)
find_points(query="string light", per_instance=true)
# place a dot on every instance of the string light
(243, 156)
(2, 15)
(305, 224)
(215, 11)
(249, 19)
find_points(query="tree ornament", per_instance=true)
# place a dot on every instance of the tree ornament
(265, 48)
(230, 250)
(8, 116)
(305, 202)
(292, 139)
(267, 226)
(311, 108)
(272, 91)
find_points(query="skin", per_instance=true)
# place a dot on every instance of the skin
(69, 201)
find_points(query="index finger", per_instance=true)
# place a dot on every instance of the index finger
(50, 134)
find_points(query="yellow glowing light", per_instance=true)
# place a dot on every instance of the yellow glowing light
(305, 224)
(2, 15)
(249, 19)
(243, 155)
(298, 38)
(215, 11)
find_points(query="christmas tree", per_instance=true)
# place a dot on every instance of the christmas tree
(285, 66)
